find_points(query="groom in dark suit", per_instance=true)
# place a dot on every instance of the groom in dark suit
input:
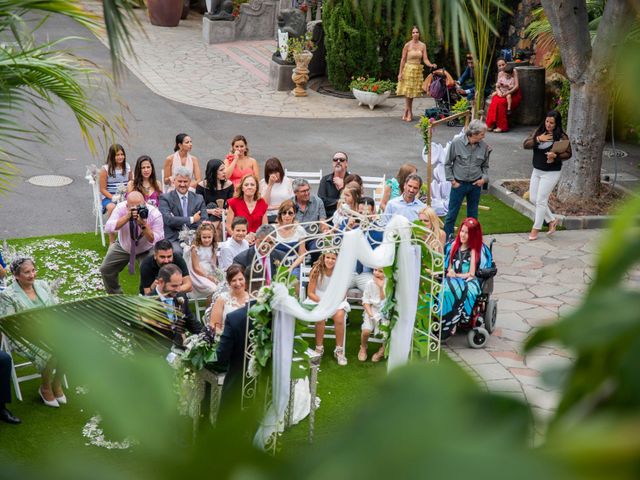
(261, 262)
(168, 292)
(181, 207)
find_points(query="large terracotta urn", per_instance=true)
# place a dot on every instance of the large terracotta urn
(165, 13)
(301, 73)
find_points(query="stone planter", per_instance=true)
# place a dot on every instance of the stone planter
(301, 73)
(165, 13)
(370, 98)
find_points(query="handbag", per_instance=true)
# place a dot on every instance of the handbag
(560, 146)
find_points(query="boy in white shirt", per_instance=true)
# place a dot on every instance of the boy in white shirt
(372, 301)
(234, 244)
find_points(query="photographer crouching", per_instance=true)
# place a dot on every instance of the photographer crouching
(139, 227)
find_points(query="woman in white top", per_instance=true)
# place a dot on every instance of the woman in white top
(182, 158)
(227, 302)
(275, 188)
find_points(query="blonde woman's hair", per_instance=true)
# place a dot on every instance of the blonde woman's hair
(436, 224)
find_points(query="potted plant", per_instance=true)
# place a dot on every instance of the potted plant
(371, 92)
(165, 13)
(301, 49)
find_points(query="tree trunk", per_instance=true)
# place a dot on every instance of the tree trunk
(587, 127)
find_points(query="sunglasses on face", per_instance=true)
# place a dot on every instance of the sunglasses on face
(341, 160)
(288, 212)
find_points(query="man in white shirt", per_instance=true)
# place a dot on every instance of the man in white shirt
(406, 204)
(235, 244)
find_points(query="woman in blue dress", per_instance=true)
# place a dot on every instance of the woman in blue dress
(461, 287)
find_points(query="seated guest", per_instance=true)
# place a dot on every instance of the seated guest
(331, 185)
(461, 287)
(309, 208)
(507, 96)
(247, 203)
(5, 389)
(372, 301)
(437, 238)
(235, 244)
(393, 186)
(115, 172)
(238, 163)
(201, 261)
(216, 190)
(407, 204)
(181, 208)
(373, 233)
(275, 188)
(150, 266)
(25, 293)
(290, 236)
(346, 206)
(236, 297)
(319, 279)
(167, 288)
(145, 182)
(182, 158)
(136, 237)
(261, 261)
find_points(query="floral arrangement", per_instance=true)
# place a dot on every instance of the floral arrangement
(424, 125)
(460, 106)
(372, 85)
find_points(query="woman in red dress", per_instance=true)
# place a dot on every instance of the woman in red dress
(497, 113)
(246, 202)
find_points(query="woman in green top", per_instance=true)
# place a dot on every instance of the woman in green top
(23, 294)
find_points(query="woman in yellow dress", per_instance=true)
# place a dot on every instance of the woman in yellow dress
(410, 77)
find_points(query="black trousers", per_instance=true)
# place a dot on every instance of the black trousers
(5, 378)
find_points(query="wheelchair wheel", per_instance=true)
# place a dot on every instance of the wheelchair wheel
(490, 315)
(477, 338)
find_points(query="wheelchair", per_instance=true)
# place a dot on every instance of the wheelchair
(482, 322)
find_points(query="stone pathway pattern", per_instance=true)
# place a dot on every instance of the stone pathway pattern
(231, 77)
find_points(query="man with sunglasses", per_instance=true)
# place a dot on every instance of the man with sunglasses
(331, 185)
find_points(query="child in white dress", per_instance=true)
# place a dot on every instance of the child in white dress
(202, 261)
(372, 301)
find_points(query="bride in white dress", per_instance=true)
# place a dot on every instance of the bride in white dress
(236, 297)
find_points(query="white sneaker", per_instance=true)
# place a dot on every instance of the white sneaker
(339, 354)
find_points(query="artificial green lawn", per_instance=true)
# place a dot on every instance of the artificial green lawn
(341, 389)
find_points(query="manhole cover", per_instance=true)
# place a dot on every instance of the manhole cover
(50, 180)
(609, 152)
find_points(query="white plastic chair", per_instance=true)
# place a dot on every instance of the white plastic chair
(312, 177)
(97, 205)
(305, 270)
(195, 299)
(5, 346)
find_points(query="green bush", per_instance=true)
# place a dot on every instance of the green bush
(350, 43)
(561, 102)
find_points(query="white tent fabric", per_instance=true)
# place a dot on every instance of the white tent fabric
(286, 309)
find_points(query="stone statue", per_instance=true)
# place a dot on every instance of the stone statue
(220, 10)
(292, 21)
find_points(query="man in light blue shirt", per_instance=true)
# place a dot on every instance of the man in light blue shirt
(406, 204)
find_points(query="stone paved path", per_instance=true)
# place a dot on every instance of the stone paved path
(536, 283)
(232, 77)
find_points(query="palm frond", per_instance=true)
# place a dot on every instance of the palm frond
(121, 322)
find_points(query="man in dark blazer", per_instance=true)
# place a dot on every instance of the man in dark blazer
(181, 207)
(230, 357)
(168, 292)
(260, 262)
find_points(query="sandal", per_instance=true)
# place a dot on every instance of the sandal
(340, 358)
(320, 349)
(553, 225)
(497, 130)
(362, 354)
(376, 357)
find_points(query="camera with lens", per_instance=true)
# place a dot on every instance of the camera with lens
(143, 211)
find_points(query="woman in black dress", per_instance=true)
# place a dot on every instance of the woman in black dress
(216, 190)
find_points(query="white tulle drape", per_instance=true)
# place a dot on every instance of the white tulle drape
(286, 309)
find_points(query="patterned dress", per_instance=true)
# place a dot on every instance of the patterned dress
(412, 75)
(458, 295)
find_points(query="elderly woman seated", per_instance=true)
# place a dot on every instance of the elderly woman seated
(23, 294)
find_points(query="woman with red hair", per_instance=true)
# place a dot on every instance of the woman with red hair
(461, 287)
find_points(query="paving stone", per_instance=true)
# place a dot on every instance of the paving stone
(510, 385)
(513, 335)
(492, 371)
(541, 399)
(475, 356)
(506, 305)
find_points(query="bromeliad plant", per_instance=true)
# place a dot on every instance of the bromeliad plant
(372, 85)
